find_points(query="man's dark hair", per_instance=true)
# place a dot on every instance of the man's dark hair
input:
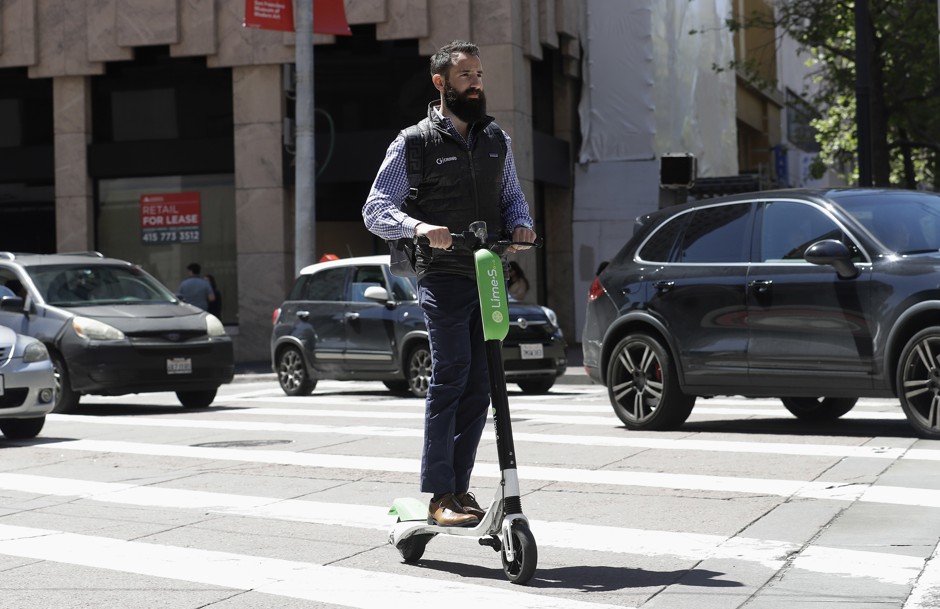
(194, 267)
(444, 58)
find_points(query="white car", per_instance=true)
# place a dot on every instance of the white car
(27, 385)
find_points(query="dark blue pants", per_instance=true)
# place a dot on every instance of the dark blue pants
(459, 393)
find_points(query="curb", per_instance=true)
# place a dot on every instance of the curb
(568, 378)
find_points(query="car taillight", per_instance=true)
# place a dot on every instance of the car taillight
(275, 316)
(597, 288)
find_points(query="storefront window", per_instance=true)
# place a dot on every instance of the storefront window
(165, 223)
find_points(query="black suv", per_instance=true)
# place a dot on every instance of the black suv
(113, 329)
(351, 319)
(815, 297)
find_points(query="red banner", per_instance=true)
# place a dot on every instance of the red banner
(329, 16)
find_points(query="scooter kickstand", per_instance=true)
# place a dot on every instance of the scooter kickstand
(491, 541)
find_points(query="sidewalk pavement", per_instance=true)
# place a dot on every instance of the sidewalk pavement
(575, 375)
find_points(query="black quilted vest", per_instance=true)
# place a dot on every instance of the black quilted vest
(458, 187)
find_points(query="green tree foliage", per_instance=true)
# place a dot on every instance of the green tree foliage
(905, 83)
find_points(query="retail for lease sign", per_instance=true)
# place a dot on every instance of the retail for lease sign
(173, 217)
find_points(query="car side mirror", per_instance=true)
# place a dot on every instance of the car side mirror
(12, 303)
(833, 253)
(376, 293)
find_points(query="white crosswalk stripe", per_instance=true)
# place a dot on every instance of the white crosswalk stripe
(540, 421)
(325, 584)
(893, 568)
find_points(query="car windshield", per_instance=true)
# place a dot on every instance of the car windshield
(76, 285)
(905, 222)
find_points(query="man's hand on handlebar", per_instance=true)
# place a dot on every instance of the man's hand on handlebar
(438, 236)
(521, 233)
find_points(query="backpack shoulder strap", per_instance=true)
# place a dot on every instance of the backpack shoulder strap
(414, 158)
(496, 131)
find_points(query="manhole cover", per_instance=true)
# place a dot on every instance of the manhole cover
(241, 443)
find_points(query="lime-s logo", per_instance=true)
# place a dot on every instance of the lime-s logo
(497, 316)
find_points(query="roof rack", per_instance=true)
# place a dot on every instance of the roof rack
(91, 254)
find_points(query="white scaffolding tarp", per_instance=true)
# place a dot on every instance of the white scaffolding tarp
(651, 87)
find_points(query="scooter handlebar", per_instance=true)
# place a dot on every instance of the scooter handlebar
(470, 242)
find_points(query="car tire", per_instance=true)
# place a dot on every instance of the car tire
(397, 386)
(418, 369)
(66, 400)
(819, 409)
(918, 382)
(196, 399)
(643, 385)
(22, 429)
(536, 387)
(292, 373)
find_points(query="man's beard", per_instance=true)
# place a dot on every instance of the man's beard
(467, 109)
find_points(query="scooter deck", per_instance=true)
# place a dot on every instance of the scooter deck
(490, 525)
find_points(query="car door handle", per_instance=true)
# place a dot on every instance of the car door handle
(351, 316)
(760, 285)
(304, 315)
(664, 286)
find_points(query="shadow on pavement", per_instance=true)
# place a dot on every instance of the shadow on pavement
(597, 578)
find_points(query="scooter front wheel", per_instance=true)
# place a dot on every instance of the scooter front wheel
(522, 566)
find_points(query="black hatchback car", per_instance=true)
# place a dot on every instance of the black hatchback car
(351, 319)
(112, 329)
(815, 297)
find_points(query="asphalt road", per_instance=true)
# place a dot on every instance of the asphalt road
(267, 501)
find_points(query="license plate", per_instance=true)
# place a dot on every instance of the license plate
(181, 365)
(531, 351)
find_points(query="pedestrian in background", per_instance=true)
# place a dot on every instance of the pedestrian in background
(518, 284)
(215, 305)
(195, 289)
(468, 175)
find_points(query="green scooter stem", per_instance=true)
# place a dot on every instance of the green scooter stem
(504, 443)
(494, 310)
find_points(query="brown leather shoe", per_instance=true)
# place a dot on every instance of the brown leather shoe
(446, 512)
(470, 505)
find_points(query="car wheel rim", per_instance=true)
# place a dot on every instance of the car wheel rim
(291, 371)
(57, 379)
(921, 382)
(638, 383)
(419, 370)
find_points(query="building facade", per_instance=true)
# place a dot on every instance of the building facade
(159, 131)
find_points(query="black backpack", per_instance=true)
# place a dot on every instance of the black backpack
(402, 251)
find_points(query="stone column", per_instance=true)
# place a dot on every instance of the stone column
(73, 188)
(265, 255)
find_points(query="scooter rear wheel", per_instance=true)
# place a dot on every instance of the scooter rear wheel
(522, 567)
(412, 549)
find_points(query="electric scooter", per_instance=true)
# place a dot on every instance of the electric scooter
(504, 527)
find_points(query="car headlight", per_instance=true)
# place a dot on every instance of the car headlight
(35, 352)
(95, 330)
(552, 318)
(214, 327)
